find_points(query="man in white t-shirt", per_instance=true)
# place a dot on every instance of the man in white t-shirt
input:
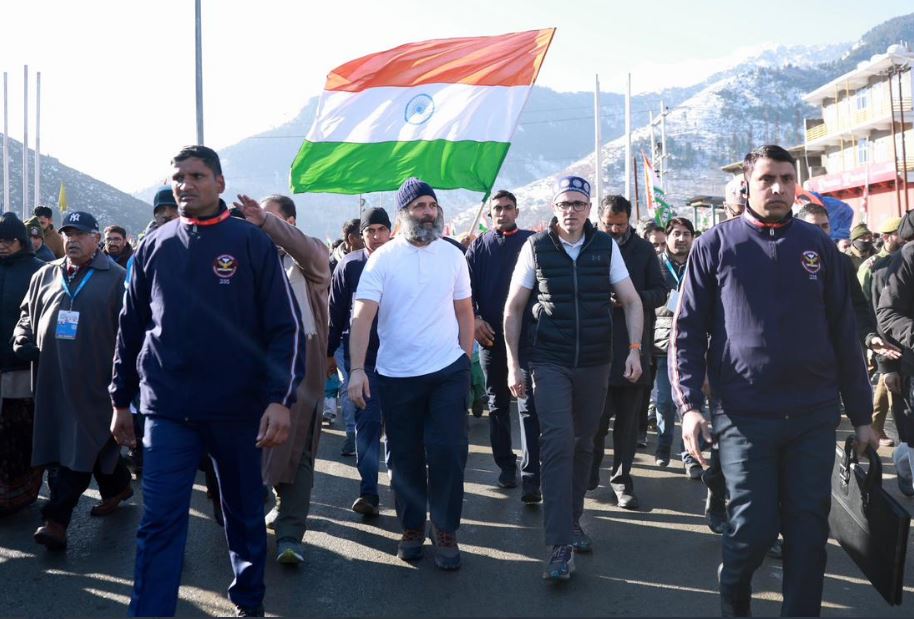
(418, 285)
(570, 269)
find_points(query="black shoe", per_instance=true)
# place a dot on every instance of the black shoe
(217, 514)
(716, 512)
(241, 611)
(507, 478)
(693, 470)
(594, 482)
(625, 498)
(531, 495)
(734, 608)
(642, 439)
(478, 407)
(348, 448)
(777, 549)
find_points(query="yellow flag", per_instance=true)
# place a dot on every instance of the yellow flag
(62, 199)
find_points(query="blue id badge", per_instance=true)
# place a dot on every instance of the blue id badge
(66, 325)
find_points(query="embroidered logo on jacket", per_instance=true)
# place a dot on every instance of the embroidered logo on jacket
(811, 262)
(225, 266)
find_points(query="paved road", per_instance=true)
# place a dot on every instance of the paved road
(658, 561)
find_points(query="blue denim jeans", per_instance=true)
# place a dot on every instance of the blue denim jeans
(368, 437)
(666, 410)
(171, 455)
(345, 403)
(427, 440)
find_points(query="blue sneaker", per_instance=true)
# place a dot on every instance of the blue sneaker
(559, 565)
(580, 540)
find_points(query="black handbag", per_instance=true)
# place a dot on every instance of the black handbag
(870, 525)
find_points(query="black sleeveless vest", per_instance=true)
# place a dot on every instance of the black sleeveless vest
(573, 311)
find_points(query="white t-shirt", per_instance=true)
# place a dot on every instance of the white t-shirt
(415, 288)
(525, 271)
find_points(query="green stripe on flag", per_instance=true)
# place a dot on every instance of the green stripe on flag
(345, 167)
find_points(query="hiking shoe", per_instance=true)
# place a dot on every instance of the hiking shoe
(716, 512)
(107, 506)
(507, 478)
(409, 547)
(447, 553)
(367, 505)
(559, 564)
(580, 540)
(290, 551)
(52, 535)
(348, 448)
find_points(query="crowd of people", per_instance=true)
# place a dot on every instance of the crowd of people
(208, 342)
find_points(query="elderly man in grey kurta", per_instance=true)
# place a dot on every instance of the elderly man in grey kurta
(67, 329)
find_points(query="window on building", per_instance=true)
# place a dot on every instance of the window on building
(863, 151)
(863, 98)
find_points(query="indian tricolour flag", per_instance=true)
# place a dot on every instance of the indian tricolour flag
(442, 110)
(657, 206)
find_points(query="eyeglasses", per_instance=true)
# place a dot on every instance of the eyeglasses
(577, 205)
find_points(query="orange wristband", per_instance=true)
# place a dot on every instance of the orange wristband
(635, 346)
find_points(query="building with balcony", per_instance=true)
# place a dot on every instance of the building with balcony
(861, 150)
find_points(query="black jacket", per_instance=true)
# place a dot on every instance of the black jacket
(15, 274)
(573, 311)
(644, 271)
(895, 307)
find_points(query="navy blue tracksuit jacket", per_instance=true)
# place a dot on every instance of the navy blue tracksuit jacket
(766, 310)
(210, 329)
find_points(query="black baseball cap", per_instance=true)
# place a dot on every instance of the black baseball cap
(79, 220)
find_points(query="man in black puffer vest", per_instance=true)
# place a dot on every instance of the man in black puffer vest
(571, 270)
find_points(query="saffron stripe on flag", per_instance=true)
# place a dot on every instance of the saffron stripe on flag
(431, 112)
(350, 168)
(505, 60)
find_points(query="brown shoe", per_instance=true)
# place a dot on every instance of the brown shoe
(108, 505)
(52, 535)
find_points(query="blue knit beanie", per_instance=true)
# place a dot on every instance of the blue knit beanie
(571, 183)
(411, 189)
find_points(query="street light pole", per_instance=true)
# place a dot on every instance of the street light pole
(198, 31)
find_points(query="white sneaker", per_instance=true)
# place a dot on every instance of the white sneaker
(329, 411)
(904, 468)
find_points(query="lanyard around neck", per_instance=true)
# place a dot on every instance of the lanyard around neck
(672, 271)
(66, 288)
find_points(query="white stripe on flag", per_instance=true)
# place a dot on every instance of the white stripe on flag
(428, 112)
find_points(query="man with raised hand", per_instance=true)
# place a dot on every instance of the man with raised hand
(772, 328)
(571, 270)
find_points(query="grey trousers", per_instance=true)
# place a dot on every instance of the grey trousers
(293, 501)
(569, 403)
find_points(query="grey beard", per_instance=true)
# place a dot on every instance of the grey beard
(416, 232)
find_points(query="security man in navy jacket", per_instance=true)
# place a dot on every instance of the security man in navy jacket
(210, 335)
(765, 312)
(491, 258)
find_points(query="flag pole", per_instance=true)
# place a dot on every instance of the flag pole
(635, 179)
(482, 205)
(628, 136)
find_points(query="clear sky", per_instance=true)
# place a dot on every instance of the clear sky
(118, 75)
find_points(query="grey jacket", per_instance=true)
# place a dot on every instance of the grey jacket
(70, 377)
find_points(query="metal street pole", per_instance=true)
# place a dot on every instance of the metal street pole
(628, 137)
(598, 142)
(37, 138)
(198, 31)
(25, 143)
